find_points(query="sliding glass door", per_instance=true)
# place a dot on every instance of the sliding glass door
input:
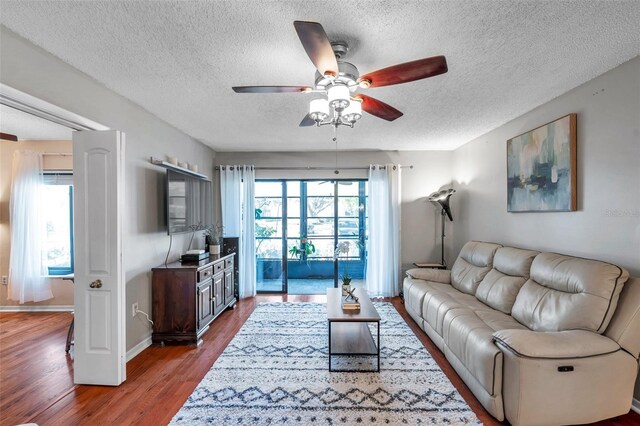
(296, 255)
(269, 211)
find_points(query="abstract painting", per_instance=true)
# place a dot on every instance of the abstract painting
(541, 168)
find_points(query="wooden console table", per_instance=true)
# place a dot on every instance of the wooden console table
(187, 296)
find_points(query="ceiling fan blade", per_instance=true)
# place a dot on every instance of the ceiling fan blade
(318, 47)
(272, 89)
(378, 108)
(404, 73)
(307, 121)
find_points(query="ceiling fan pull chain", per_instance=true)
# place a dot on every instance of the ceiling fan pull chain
(335, 139)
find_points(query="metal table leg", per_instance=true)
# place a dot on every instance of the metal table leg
(329, 346)
(378, 346)
(70, 335)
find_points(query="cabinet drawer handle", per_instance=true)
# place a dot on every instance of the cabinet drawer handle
(212, 299)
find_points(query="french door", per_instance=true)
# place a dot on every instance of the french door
(299, 224)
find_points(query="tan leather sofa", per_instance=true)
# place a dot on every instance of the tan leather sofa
(539, 338)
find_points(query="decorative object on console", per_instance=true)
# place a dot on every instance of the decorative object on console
(343, 248)
(213, 237)
(541, 168)
(194, 256)
(442, 199)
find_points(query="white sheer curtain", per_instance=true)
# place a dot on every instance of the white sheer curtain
(383, 245)
(27, 265)
(237, 193)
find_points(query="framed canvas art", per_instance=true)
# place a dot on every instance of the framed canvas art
(541, 168)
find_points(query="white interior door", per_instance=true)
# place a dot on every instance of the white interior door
(98, 168)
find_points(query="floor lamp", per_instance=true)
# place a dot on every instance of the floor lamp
(442, 198)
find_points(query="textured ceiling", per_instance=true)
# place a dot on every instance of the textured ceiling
(28, 127)
(179, 60)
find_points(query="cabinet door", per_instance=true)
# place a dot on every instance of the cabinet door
(229, 285)
(218, 292)
(205, 303)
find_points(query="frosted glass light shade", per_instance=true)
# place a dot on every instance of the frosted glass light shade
(319, 109)
(339, 97)
(353, 112)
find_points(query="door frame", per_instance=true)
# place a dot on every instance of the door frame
(38, 107)
(303, 220)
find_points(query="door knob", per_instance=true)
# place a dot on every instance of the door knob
(96, 284)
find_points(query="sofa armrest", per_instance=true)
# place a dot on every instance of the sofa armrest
(554, 345)
(436, 275)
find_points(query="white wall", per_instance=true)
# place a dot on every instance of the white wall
(420, 219)
(62, 290)
(32, 70)
(607, 223)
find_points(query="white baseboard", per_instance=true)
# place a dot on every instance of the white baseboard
(37, 308)
(635, 405)
(137, 349)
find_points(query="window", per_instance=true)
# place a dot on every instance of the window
(58, 217)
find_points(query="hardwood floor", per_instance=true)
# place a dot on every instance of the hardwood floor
(36, 376)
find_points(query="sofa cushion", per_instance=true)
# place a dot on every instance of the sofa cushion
(436, 304)
(468, 333)
(471, 341)
(473, 263)
(624, 326)
(501, 285)
(429, 274)
(415, 291)
(568, 293)
(514, 261)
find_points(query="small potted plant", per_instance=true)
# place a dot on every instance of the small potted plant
(213, 237)
(343, 249)
(305, 246)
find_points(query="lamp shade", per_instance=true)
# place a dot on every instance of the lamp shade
(319, 109)
(442, 198)
(339, 96)
(353, 112)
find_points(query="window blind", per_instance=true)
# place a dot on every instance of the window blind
(58, 178)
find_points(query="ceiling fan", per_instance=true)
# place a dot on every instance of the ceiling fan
(339, 81)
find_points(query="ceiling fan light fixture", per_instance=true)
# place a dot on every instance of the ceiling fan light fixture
(319, 109)
(339, 97)
(353, 112)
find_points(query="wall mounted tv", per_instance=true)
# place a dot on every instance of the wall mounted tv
(189, 202)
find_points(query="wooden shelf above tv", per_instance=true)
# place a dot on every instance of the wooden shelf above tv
(179, 169)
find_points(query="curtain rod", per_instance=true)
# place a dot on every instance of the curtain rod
(59, 154)
(316, 168)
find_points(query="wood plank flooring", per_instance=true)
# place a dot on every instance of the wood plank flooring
(36, 376)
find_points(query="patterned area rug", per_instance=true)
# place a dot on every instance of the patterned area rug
(275, 372)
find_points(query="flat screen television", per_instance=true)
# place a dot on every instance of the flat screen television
(189, 202)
